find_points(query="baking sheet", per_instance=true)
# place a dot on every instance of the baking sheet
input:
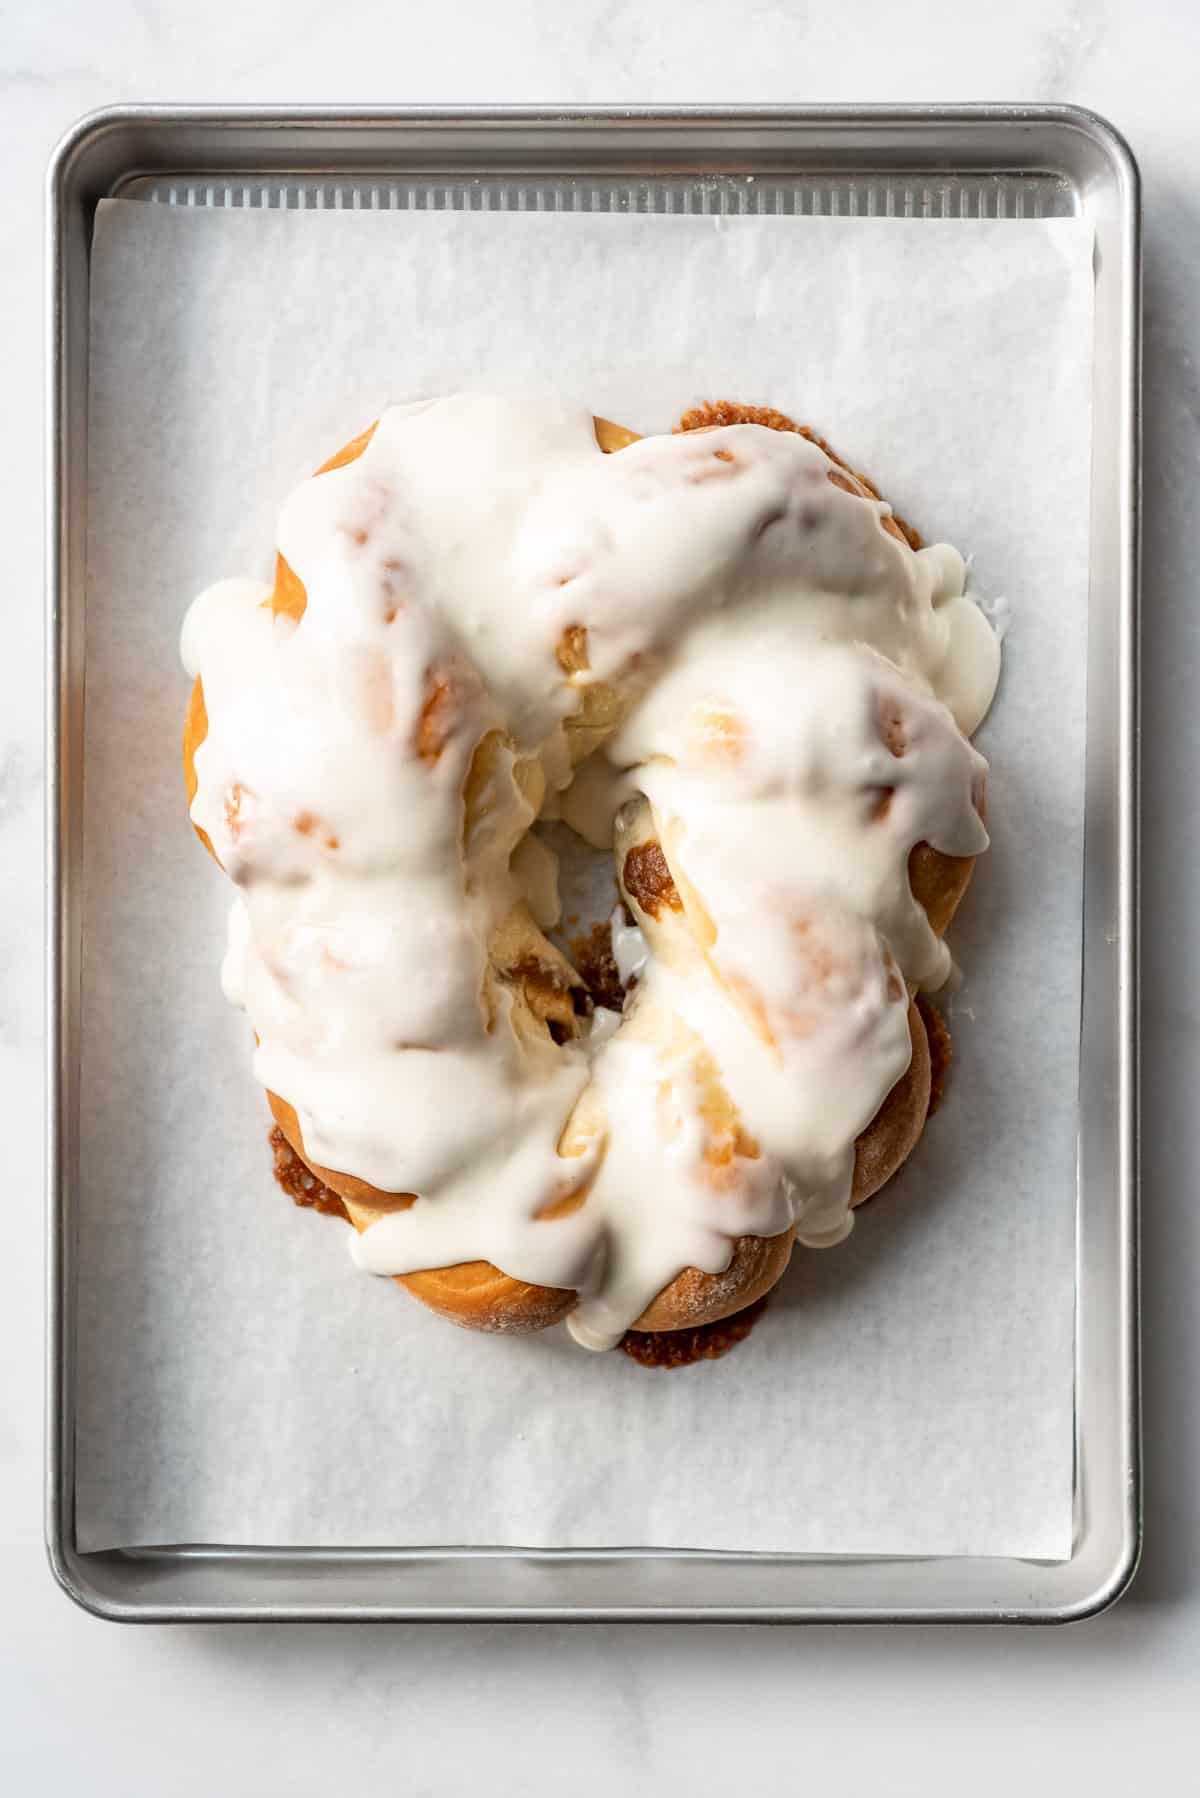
(908, 1393)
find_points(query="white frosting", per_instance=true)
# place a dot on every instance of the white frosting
(370, 774)
(630, 949)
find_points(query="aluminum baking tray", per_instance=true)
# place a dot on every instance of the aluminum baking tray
(1001, 162)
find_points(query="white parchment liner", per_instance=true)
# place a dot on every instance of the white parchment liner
(907, 1393)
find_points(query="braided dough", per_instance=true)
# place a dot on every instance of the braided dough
(719, 651)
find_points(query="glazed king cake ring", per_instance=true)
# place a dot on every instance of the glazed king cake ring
(764, 688)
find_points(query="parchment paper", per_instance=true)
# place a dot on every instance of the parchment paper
(907, 1393)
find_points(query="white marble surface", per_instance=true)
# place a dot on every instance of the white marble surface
(1104, 1706)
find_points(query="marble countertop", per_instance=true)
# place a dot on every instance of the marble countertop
(1106, 1704)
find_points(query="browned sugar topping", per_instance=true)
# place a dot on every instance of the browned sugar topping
(681, 1348)
(299, 1182)
(593, 956)
(648, 879)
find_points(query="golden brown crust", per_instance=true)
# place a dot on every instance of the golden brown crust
(479, 1297)
(938, 883)
(613, 437)
(694, 1298)
(892, 1135)
(476, 1294)
(941, 1050)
